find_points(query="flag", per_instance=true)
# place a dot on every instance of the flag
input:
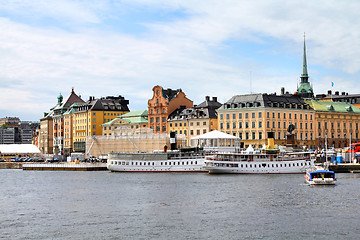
(332, 84)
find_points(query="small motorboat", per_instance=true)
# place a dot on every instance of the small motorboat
(319, 176)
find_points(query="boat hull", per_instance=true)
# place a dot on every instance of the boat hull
(265, 167)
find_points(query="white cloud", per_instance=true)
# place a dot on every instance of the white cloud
(185, 52)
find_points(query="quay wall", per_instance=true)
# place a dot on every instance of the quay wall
(10, 165)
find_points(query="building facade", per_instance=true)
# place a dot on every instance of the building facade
(162, 104)
(336, 123)
(88, 118)
(250, 117)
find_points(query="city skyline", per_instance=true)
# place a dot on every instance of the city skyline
(125, 48)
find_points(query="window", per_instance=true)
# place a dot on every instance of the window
(260, 114)
(163, 119)
(240, 124)
(221, 116)
(227, 125)
(157, 111)
(234, 124)
(284, 115)
(158, 119)
(240, 115)
(152, 120)
(234, 115)
(170, 124)
(246, 115)
(227, 116)
(260, 124)
(289, 115)
(164, 128)
(175, 124)
(204, 123)
(221, 125)
(198, 132)
(252, 115)
(253, 135)
(246, 124)
(253, 124)
(260, 135)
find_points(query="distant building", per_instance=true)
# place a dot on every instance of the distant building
(195, 121)
(162, 104)
(14, 131)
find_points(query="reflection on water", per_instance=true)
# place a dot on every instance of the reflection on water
(103, 205)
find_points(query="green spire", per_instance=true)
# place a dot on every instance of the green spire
(305, 89)
(304, 75)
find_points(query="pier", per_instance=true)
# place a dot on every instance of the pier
(66, 167)
(345, 167)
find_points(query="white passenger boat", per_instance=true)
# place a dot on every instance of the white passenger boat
(171, 161)
(319, 176)
(269, 160)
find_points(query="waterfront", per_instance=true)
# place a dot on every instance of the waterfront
(104, 205)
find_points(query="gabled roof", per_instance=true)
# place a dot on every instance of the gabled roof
(170, 94)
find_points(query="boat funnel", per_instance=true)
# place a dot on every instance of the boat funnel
(271, 141)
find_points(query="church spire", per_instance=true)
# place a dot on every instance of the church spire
(304, 75)
(305, 89)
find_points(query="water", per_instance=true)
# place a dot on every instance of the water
(104, 205)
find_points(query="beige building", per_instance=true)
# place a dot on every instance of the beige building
(250, 117)
(337, 123)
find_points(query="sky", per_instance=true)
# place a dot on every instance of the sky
(206, 48)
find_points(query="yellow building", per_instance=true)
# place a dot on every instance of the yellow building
(88, 118)
(336, 123)
(250, 117)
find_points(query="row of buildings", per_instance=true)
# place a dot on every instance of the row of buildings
(331, 117)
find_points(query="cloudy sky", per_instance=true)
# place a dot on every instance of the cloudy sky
(216, 48)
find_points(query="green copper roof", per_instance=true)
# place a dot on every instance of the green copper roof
(133, 117)
(330, 106)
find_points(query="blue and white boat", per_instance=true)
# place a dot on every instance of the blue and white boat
(320, 176)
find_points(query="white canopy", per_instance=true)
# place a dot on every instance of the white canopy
(215, 135)
(18, 149)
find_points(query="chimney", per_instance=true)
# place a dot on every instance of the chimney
(337, 93)
(215, 99)
(329, 92)
(342, 93)
(282, 91)
(207, 98)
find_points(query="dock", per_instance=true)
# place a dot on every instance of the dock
(66, 167)
(345, 167)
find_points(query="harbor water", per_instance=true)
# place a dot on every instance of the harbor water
(104, 205)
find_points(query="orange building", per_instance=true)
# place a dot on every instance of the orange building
(162, 104)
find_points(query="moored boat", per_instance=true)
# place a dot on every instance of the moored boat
(170, 161)
(267, 161)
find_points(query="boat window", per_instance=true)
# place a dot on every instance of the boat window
(195, 162)
(191, 162)
(187, 163)
(153, 163)
(123, 163)
(183, 163)
(112, 162)
(178, 163)
(140, 163)
(161, 163)
(136, 163)
(165, 163)
(132, 163)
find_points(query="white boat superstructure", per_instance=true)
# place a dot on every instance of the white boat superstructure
(259, 163)
(317, 175)
(156, 162)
